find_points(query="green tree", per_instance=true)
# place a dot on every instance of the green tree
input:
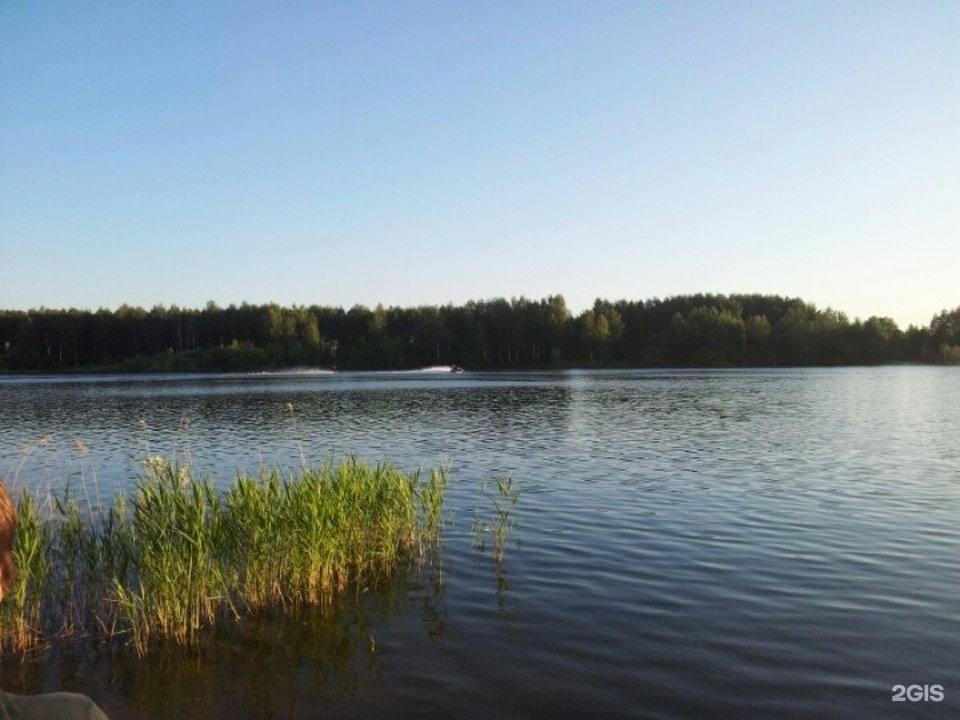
(945, 328)
(757, 334)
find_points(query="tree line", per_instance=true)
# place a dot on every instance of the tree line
(680, 331)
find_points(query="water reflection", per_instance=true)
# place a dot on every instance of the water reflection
(283, 663)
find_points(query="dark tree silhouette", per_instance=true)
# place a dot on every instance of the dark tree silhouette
(685, 330)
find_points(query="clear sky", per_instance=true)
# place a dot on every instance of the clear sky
(429, 152)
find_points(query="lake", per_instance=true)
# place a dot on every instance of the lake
(700, 543)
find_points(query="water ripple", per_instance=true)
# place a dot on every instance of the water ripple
(690, 543)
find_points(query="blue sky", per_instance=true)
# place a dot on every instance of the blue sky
(431, 152)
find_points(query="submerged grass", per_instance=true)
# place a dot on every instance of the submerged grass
(179, 556)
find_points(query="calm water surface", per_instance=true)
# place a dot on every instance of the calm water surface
(690, 543)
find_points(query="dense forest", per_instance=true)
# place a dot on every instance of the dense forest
(688, 330)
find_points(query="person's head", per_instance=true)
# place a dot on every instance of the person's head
(8, 526)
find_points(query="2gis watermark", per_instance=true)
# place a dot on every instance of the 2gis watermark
(917, 693)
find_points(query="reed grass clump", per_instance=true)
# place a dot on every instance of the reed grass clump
(179, 555)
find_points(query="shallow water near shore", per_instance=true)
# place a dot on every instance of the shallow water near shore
(744, 543)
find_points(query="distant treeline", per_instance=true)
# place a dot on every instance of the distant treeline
(687, 330)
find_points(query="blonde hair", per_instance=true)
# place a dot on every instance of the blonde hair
(8, 528)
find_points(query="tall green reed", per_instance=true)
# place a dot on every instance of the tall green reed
(502, 522)
(22, 611)
(177, 585)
